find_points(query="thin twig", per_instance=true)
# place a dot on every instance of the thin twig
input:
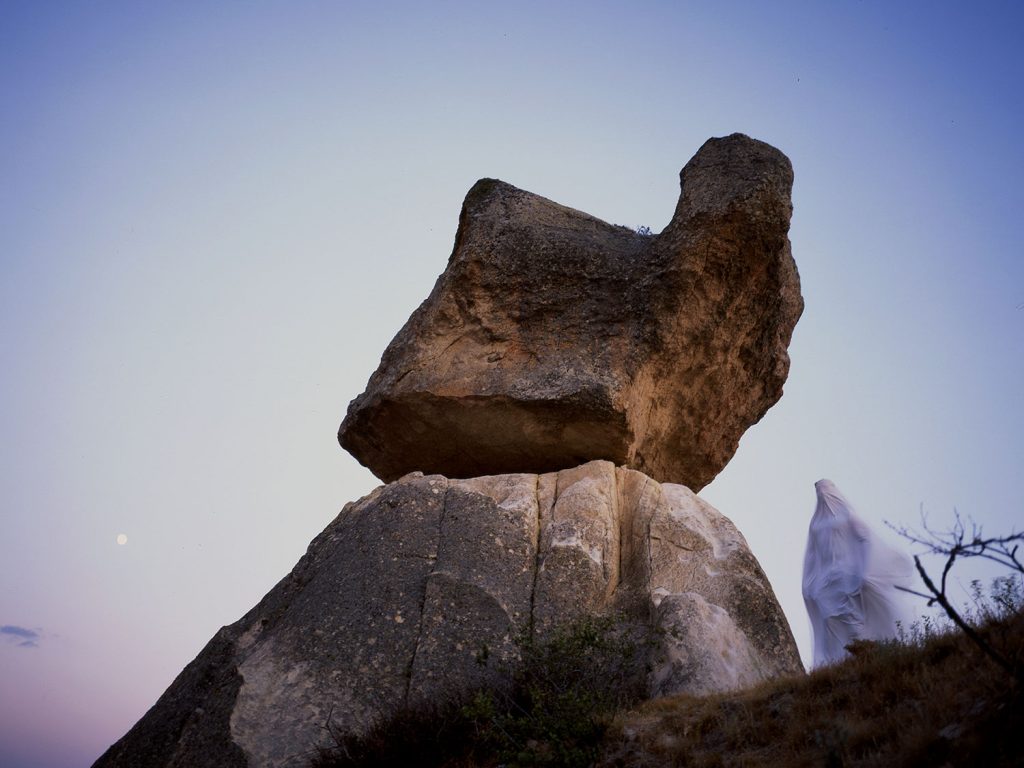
(940, 598)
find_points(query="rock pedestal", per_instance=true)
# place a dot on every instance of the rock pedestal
(396, 599)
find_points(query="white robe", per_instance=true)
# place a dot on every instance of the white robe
(850, 578)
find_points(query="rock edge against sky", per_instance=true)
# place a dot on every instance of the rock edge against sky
(553, 338)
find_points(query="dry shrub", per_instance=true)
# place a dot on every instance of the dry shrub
(927, 701)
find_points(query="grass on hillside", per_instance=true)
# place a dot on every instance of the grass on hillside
(931, 700)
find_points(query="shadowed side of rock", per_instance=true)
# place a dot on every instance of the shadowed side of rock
(395, 600)
(553, 338)
(190, 724)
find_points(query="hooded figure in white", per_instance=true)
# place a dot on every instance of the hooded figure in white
(850, 578)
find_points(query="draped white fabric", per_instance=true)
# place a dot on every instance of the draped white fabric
(850, 578)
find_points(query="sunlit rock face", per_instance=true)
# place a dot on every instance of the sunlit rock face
(553, 338)
(395, 600)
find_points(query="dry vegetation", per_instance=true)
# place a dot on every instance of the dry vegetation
(932, 700)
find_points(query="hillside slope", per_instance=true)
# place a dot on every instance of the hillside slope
(934, 701)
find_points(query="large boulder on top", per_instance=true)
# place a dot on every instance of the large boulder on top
(553, 338)
(394, 602)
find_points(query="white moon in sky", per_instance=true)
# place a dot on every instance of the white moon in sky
(122, 539)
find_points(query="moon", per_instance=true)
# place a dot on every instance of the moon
(121, 539)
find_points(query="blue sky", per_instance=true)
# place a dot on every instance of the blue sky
(213, 220)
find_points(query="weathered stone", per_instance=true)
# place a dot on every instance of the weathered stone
(351, 626)
(479, 591)
(553, 338)
(579, 543)
(703, 650)
(728, 574)
(396, 601)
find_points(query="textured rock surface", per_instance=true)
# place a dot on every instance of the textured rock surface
(554, 338)
(395, 599)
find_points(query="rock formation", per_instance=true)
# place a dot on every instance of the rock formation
(554, 346)
(395, 600)
(554, 338)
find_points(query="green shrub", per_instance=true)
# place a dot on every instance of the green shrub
(552, 709)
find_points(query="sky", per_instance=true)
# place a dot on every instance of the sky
(214, 218)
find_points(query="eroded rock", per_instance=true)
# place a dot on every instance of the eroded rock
(553, 338)
(394, 602)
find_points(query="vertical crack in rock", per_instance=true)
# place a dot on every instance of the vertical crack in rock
(536, 552)
(650, 554)
(641, 515)
(609, 532)
(549, 493)
(423, 597)
(620, 488)
(614, 538)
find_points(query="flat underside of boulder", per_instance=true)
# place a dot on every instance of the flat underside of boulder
(396, 600)
(553, 338)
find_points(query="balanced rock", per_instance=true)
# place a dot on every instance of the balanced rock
(553, 338)
(394, 602)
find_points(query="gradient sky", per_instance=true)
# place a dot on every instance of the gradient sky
(213, 220)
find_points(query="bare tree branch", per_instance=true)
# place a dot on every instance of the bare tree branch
(939, 596)
(955, 544)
